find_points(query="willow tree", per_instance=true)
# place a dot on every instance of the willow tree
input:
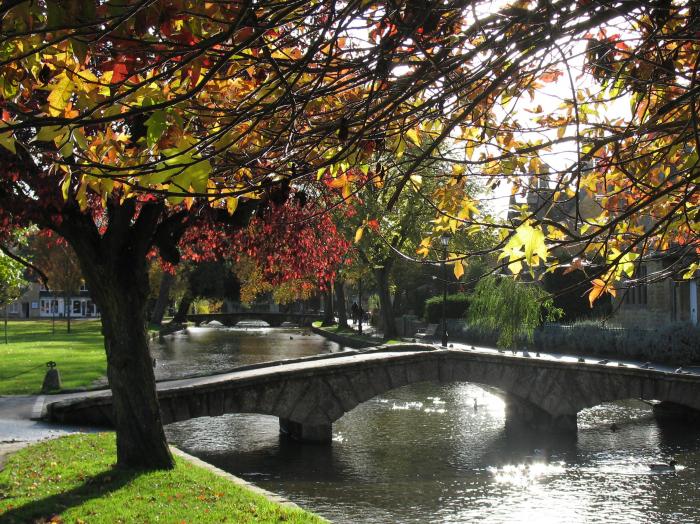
(124, 123)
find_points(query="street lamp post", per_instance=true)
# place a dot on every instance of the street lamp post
(444, 240)
(359, 292)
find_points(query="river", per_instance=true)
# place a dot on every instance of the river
(426, 454)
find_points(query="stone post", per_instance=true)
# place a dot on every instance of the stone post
(52, 379)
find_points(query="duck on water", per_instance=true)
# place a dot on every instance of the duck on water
(663, 468)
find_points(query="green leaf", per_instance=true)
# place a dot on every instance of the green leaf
(156, 126)
(7, 140)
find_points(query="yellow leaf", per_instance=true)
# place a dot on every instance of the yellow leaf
(231, 204)
(60, 95)
(358, 233)
(65, 185)
(459, 269)
(597, 290)
(417, 181)
(413, 135)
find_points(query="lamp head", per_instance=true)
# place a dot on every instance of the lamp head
(445, 239)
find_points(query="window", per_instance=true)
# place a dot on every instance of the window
(13, 308)
(637, 294)
(76, 307)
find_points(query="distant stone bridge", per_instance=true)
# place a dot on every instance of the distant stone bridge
(273, 319)
(311, 393)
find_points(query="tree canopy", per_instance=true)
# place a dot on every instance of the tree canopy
(126, 123)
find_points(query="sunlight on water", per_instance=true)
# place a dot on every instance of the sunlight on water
(525, 474)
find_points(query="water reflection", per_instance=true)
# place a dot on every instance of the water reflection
(422, 453)
(207, 350)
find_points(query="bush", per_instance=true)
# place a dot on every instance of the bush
(455, 307)
(513, 309)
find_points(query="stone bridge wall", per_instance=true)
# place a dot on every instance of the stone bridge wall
(308, 396)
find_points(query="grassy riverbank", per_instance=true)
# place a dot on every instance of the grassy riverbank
(72, 479)
(350, 333)
(80, 355)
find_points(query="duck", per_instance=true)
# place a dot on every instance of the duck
(646, 365)
(604, 361)
(581, 359)
(663, 468)
(679, 370)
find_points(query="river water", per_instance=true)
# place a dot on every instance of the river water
(425, 454)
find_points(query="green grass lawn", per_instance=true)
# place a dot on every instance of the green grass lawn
(72, 480)
(80, 355)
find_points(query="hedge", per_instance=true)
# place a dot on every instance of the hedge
(456, 307)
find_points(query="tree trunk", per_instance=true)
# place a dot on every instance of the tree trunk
(382, 277)
(166, 282)
(340, 303)
(69, 307)
(328, 316)
(115, 270)
(181, 314)
(141, 441)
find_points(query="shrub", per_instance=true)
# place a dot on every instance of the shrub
(513, 309)
(455, 307)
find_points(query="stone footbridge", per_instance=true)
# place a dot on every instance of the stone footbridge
(311, 393)
(272, 318)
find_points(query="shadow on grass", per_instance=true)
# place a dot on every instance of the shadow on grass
(94, 487)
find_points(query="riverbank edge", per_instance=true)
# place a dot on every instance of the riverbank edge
(269, 495)
(345, 340)
(7, 449)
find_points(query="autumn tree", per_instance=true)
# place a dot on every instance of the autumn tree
(12, 282)
(126, 123)
(59, 266)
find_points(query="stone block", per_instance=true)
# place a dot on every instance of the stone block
(328, 403)
(215, 403)
(268, 398)
(397, 374)
(378, 379)
(361, 386)
(232, 401)
(248, 398)
(180, 410)
(306, 403)
(343, 391)
(292, 393)
(197, 405)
